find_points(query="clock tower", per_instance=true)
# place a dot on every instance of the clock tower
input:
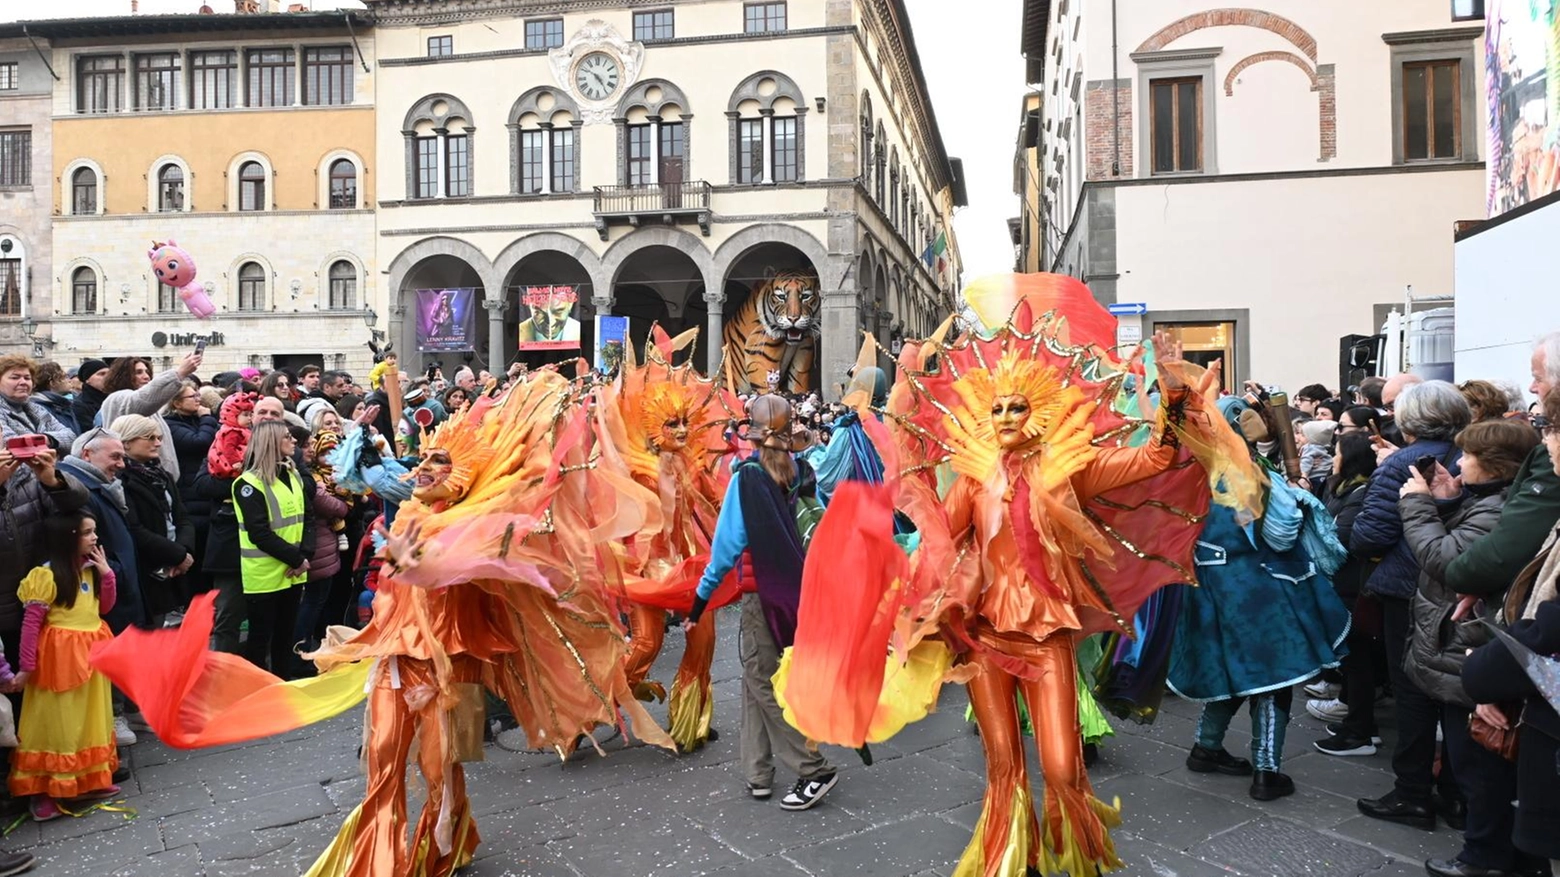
(596, 66)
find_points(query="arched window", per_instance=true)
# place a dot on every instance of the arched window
(866, 141)
(767, 112)
(170, 189)
(343, 286)
(83, 290)
(168, 299)
(438, 131)
(653, 120)
(343, 185)
(251, 186)
(251, 287)
(893, 194)
(545, 143)
(880, 174)
(83, 192)
(904, 204)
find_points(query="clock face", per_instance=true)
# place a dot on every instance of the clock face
(597, 76)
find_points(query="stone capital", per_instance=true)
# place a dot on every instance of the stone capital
(495, 306)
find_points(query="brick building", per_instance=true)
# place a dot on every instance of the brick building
(1255, 175)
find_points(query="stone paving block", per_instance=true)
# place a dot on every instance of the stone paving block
(903, 787)
(519, 828)
(329, 759)
(770, 866)
(1284, 849)
(1173, 815)
(1143, 858)
(123, 845)
(182, 862)
(967, 815)
(889, 850)
(82, 827)
(1400, 841)
(670, 847)
(1347, 777)
(760, 828)
(533, 861)
(271, 810)
(1123, 754)
(171, 801)
(239, 845)
(964, 753)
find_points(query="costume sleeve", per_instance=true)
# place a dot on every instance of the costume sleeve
(108, 591)
(1490, 565)
(961, 508)
(1117, 467)
(33, 618)
(1284, 517)
(730, 540)
(38, 587)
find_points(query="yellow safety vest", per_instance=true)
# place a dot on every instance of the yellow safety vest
(263, 573)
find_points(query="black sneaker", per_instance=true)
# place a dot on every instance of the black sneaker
(762, 792)
(16, 863)
(1345, 744)
(1337, 730)
(806, 793)
(1202, 760)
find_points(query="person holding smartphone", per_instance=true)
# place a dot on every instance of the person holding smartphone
(19, 414)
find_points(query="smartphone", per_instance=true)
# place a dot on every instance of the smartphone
(1426, 466)
(200, 345)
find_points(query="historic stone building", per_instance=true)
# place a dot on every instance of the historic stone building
(246, 138)
(1250, 174)
(25, 196)
(663, 162)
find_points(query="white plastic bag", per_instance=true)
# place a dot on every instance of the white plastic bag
(7, 725)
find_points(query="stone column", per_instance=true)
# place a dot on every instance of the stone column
(715, 300)
(497, 358)
(841, 340)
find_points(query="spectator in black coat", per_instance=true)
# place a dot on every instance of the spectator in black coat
(93, 375)
(164, 538)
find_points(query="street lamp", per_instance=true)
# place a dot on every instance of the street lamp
(29, 326)
(370, 319)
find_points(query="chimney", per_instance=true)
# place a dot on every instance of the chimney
(297, 7)
(246, 7)
(135, 7)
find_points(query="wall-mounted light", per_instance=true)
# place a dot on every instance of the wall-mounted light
(295, 287)
(821, 102)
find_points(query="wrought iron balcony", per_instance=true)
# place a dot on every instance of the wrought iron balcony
(666, 203)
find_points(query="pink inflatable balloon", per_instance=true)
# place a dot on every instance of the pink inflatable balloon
(175, 267)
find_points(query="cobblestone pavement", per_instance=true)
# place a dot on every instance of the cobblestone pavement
(269, 807)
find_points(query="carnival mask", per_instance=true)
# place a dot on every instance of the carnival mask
(674, 435)
(431, 478)
(1010, 420)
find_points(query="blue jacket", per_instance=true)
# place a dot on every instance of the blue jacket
(1378, 529)
(113, 531)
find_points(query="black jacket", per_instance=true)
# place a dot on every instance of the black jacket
(86, 405)
(222, 529)
(192, 438)
(1349, 581)
(24, 503)
(153, 497)
(1378, 531)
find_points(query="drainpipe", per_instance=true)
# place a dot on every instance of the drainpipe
(1115, 96)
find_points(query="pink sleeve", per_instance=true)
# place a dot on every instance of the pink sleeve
(32, 624)
(108, 591)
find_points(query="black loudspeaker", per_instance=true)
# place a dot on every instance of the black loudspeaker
(1359, 357)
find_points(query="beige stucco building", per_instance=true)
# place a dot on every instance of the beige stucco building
(662, 161)
(249, 140)
(25, 197)
(1265, 180)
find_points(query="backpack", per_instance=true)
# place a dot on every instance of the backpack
(809, 511)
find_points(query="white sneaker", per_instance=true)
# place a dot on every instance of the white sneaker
(806, 793)
(137, 723)
(123, 736)
(1324, 690)
(1329, 710)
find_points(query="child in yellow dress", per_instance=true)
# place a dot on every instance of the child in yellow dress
(66, 731)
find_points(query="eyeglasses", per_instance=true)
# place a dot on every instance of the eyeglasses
(1548, 427)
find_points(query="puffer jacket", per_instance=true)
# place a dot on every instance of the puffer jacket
(1344, 504)
(1437, 533)
(24, 503)
(1378, 529)
(328, 509)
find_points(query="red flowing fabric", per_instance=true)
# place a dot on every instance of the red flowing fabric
(847, 620)
(194, 697)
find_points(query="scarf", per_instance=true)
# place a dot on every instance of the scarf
(153, 473)
(113, 488)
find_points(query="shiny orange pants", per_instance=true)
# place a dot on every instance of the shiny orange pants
(1053, 706)
(647, 629)
(380, 847)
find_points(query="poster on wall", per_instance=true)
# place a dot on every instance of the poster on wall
(446, 319)
(611, 339)
(1521, 46)
(550, 322)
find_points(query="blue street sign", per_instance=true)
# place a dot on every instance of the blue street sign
(1128, 309)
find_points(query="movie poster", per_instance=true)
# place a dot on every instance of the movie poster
(1522, 45)
(550, 323)
(446, 320)
(611, 338)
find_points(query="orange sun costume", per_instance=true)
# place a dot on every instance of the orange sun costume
(500, 583)
(655, 425)
(1053, 527)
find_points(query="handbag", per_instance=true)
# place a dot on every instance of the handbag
(1501, 741)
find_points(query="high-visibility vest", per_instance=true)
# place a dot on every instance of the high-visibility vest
(263, 573)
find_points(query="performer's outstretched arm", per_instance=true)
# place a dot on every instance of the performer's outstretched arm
(1117, 467)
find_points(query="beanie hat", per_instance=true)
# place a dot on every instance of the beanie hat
(307, 407)
(90, 367)
(1319, 432)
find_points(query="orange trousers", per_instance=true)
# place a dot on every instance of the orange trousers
(379, 847)
(691, 698)
(1009, 839)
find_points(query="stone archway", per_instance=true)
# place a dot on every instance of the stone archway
(436, 261)
(539, 260)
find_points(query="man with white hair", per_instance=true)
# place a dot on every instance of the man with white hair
(466, 379)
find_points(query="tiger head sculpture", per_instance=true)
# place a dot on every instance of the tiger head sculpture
(788, 306)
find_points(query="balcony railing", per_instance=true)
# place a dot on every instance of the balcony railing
(662, 202)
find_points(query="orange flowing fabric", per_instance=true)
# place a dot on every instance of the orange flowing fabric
(194, 697)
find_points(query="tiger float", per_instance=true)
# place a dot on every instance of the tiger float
(771, 342)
